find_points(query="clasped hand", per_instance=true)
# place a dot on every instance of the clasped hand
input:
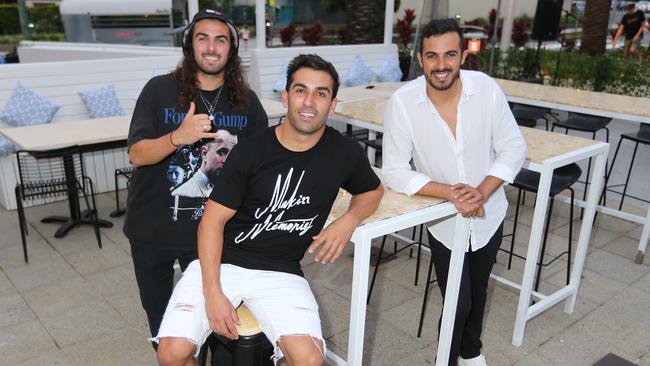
(467, 200)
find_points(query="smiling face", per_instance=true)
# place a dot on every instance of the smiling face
(211, 44)
(440, 58)
(309, 100)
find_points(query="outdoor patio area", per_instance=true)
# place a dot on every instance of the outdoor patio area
(75, 304)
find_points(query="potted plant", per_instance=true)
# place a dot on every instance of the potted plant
(287, 34)
(312, 35)
(405, 32)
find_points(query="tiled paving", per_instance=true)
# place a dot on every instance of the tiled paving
(75, 304)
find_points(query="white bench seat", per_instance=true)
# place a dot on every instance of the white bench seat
(60, 82)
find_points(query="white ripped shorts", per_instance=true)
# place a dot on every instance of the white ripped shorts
(282, 303)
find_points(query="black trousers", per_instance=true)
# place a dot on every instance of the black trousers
(466, 339)
(154, 272)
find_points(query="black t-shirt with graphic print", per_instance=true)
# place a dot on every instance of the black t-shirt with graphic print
(166, 200)
(283, 197)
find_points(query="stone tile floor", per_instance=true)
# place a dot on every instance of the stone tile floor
(75, 304)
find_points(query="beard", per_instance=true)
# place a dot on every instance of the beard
(442, 86)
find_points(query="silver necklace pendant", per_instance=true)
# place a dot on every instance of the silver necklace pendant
(211, 107)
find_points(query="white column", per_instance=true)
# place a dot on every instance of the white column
(388, 22)
(260, 23)
(507, 27)
(192, 9)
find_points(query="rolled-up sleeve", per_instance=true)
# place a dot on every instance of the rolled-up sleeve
(507, 141)
(397, 150)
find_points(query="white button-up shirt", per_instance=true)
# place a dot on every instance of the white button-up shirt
(488, 142)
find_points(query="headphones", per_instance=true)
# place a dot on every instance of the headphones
(210, 14)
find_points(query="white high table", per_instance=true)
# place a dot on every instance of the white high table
(546, 151)
(622, 107)
(397, 212)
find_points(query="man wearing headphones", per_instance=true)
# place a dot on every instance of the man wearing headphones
(203, 101)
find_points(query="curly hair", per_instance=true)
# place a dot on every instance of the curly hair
(188, 85)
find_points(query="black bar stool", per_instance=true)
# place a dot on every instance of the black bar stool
(640, 137)
(585, 123)
(528, 180)
(251, 349)
(527, 115)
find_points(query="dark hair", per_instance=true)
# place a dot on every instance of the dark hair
(438, 27)
(313, 62)
(188, 86)
(631, 6)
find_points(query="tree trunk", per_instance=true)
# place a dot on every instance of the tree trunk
(595, 26)
(365, 21)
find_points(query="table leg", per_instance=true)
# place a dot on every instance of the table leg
(593, 197)
(372, 135)
(68, 223)
(643, 243)
(76, 217)
(534, 246)
(358, 300)
(461, 238)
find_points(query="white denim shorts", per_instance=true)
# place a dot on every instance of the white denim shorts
(282, 303)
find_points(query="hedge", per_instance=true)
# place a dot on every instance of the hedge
(607, 72)
(46, 19)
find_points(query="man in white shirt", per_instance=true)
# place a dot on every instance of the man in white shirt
(457, 128)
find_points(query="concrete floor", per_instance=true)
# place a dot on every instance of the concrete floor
(75, 304)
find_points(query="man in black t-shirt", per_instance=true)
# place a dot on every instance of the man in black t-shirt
(181, 119)
(632, 25)
(267, 209)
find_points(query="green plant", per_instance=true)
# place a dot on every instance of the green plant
(45, 19)
(606, 72)
(9, 23)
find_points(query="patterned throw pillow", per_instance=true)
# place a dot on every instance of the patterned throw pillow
(26, 108)
(281, 81)
(359, 73)
(389, 72)
(102, 102)
(6, 147)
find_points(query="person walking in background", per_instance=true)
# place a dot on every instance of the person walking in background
(245, 35)
(456, 127)
(632, 25)
(197, 112)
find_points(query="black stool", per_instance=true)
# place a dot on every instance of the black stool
(585, 123)
(251, 349)
(127, 173)
(527, 115)
(528, 180)
(643, 137)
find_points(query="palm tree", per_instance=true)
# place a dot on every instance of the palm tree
(595, 26)
(365, 18)
(365, 21)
